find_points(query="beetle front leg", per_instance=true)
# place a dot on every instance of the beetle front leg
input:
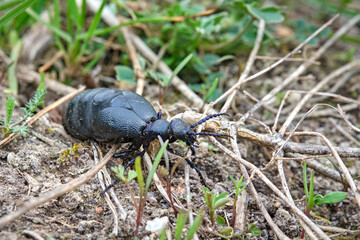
(190, 162)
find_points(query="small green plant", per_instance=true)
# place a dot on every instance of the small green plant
(119, 172)
(144, 188)
(165, 81)
(9, 126)
(253, 230)
(181, 222)
(76, 42)
(311, 200)
(214, 202)
(70, 152)
(239, 187)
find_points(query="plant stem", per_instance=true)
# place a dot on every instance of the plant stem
(234, 211)
(132, 196)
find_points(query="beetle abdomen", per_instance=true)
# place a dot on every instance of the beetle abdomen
(107, 115)
(117, 125)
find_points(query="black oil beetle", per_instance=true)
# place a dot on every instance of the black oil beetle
(115, 116)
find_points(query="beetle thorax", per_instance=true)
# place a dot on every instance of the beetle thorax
(158, 128)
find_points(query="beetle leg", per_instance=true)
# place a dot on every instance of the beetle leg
(131, 150)
(131, 162)
(110, 186)
(176, 152)
(190, 162)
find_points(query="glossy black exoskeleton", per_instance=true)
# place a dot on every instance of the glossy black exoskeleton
(116, 116)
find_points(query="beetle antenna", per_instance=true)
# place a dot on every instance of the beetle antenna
(207, 118)
(212, 134)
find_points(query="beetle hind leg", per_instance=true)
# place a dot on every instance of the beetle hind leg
(132, 149)
(130, 163)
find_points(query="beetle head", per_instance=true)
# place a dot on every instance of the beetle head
(182, 131)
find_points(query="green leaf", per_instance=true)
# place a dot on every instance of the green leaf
(210, 59)
(268, 14)
(239, 184)
(195, 226)
(207, 196)
(220, 203)
(16, 11)
(225, 58)
(131, 175)
(220, 220)
(10, 104)
(227, 230)
(159, 77)
(220, 196)
(22, 129)
(330, 198)
(252, 228)
(119, 171)
(124, 73)
(33, 103)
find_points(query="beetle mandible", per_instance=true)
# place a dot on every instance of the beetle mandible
(116, 116)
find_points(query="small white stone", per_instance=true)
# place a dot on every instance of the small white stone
(157, 225)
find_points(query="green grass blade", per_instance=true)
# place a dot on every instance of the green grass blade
(73, 12)
(16, 11)
(91, 29)
(212, 88)
(93, 61)
(107, 30)
(163, 235)
(52, 27)
(56, 21)
(83, 13)
(195, 226)
(178, 68)
(139, 176)
(311, 193)
(15, 53)
(9, 4)
(155, 165)
(306, 190)
(181, 221)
